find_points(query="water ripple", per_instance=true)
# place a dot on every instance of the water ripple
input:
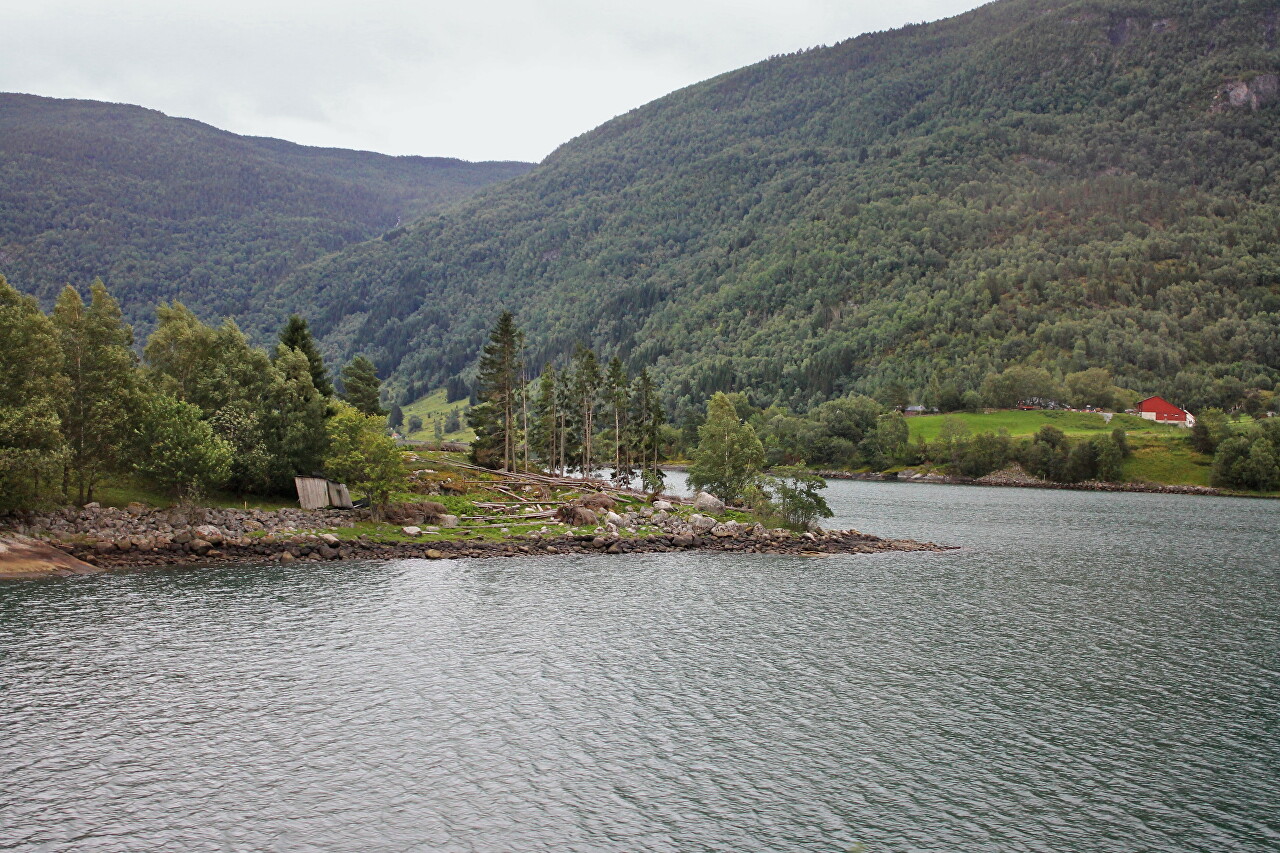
(1091, 672)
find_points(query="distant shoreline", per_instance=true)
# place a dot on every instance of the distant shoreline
(1090, 486)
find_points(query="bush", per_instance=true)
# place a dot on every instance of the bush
(791, 494)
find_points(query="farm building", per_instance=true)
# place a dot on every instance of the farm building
(1162, 411)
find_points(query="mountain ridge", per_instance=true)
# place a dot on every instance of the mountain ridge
(165, 208)
(1046, 181)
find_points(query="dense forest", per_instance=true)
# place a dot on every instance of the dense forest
(1061, 184)
(163, 208)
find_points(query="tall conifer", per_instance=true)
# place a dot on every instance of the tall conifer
(361, 386)
(499, 381)
(297, 335)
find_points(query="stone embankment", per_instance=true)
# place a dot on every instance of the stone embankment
(107, 538)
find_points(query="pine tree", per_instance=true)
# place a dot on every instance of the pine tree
(100, 399)
(395, 418)
(294, 422)
(647, 419)
(544, 432)
(586, 393)
(296, 335)
(499, 381)
(361, 386)
(617, 392)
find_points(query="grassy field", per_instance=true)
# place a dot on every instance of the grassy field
(1167, 461)
(1018, 423)
(432, 408)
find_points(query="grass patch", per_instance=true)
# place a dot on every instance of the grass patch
(1018, 423)
(122, 491)
(1169, 461)
(432, 408)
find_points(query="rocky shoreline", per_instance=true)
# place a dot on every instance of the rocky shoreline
(105, 538)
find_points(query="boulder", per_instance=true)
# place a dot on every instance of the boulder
(200, 546)
(663, 506)
(613, 518)
(411, 531)
(701, 523)
(330, 540)
(707, 502)
(208, 533)
(416, 513)
(22, 557)
(449, 521)
(577, 516)
(596, 501)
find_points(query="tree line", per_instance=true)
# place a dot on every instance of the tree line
(202, 409)
(574, 418)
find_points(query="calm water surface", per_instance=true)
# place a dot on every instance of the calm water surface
(1090, 673)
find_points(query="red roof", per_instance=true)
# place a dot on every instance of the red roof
(1162, 409)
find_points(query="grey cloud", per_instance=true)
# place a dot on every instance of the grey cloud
(491, 79)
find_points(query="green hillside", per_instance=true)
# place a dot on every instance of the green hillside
(1065, 183)
(1018, 423)
(436, 407)
(165, 208)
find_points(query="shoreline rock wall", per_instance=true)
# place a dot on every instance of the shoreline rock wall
(140, 538)
(323, 547)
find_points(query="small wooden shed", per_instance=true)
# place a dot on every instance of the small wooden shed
(319, 493)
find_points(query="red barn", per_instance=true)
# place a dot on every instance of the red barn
(1160, 410)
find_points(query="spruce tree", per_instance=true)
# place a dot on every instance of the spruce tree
(499, 382)
(361, 386)
(545, 427)
(294, 421)
(297, 335)
(647, 419)
(586, 392)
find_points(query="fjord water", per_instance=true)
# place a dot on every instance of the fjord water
(1092, 672)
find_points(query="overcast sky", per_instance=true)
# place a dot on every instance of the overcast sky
(480, 80)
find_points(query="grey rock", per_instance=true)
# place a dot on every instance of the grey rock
(706, 502)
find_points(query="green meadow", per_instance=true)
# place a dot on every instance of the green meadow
(432, 408)
(1018, 423)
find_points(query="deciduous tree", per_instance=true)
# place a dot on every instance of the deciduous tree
(729, 457)
(101, 391)
(31, 383)
(363, 456)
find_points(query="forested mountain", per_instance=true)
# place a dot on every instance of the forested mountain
(1058, 183)
(165, 208)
